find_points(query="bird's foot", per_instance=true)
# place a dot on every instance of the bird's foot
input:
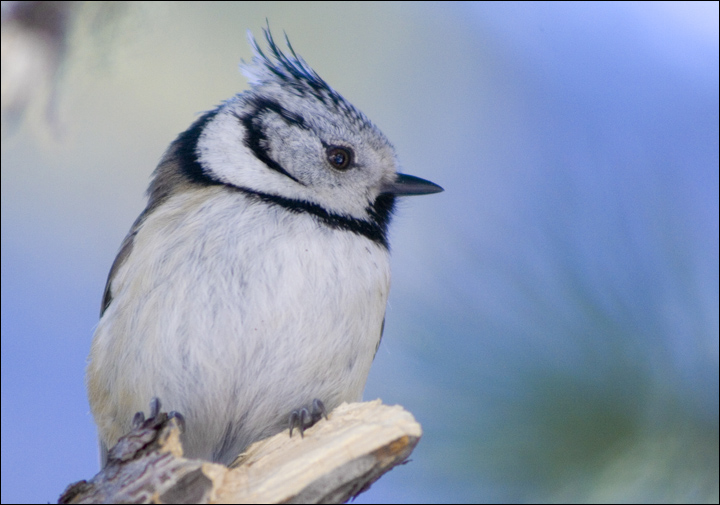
(139, 417)
(304, 418)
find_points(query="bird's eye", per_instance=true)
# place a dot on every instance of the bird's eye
(339, 157)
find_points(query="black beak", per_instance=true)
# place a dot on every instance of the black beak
(406, 185)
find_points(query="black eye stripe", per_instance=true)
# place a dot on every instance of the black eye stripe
(340, 157)
(255, 138)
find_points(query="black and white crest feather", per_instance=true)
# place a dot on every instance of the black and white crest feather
(293, 71)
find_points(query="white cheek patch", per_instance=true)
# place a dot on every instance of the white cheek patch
(223, 154)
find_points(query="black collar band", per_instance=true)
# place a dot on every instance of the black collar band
(374, 229)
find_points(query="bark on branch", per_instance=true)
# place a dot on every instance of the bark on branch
(337, 459)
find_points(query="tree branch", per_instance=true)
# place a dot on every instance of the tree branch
(336, 460)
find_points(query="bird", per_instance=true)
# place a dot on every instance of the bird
(250, 293)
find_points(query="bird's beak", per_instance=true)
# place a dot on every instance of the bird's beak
(406, 185)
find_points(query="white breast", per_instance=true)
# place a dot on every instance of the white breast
(234, 312)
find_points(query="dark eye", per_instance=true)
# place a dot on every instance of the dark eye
(339, 157)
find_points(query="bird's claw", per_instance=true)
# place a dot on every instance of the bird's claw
(304, 418)
(155, 406)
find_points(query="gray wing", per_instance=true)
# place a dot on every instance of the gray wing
(168, 178)
(382, 330)
(125, 249)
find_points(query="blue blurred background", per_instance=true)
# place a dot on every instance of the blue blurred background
(553, 321)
